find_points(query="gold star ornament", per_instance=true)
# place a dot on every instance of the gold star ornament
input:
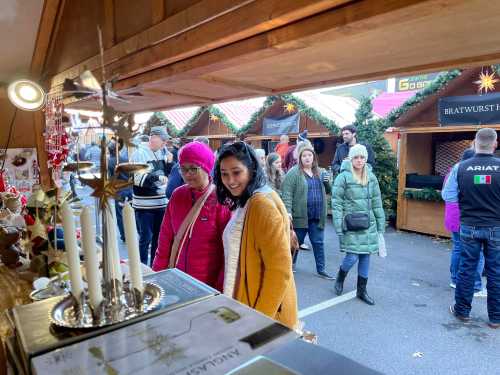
(289, 107)
(105, 189)
(214, 118)
(486, 81)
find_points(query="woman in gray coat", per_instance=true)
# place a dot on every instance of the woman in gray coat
(358, 218)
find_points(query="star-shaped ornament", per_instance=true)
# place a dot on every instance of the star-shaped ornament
(105, 189)
(38, 229)
(214, 118)
(289, 107)
(486, 82)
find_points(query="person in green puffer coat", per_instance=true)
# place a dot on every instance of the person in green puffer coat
(356, 190)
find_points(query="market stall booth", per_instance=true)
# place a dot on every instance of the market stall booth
(321, 115)
(222, 122)
(434, 134)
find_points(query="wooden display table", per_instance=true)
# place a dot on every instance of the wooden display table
(15, 291)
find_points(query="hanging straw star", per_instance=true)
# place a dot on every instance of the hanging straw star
(486, 81)
(289, 107)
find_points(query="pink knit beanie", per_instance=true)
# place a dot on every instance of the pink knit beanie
(199, 154)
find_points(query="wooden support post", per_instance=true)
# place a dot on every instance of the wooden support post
(39, 127)
(401, 208)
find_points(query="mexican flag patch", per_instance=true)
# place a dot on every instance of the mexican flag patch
(480, 179)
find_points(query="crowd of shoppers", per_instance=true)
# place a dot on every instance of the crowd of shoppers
(227, 218)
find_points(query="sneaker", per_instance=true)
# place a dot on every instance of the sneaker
(494, 325)
(464, 319)
(326, 276)
(481, 293)
(453, 285)
(304, 247)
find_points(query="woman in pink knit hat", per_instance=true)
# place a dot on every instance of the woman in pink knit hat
(191, 232)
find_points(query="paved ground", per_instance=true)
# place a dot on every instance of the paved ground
(409, 330)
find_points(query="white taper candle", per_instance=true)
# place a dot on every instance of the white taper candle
(72, 253)
(91, 261)
(113, 253)
(134, 259)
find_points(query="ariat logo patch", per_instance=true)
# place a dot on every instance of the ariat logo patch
(481, 179)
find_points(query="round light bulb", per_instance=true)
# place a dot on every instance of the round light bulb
(28, 93)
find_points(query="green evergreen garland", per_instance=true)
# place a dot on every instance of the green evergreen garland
(159, 119)
(300, 106)
(371, 131)
(213, 110)
(426, 194)
(442, 80)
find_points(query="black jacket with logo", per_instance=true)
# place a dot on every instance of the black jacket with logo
(479, 191)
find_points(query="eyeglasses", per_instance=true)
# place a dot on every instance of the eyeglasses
(189, 170)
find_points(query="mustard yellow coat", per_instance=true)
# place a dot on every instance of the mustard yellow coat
(266, 280)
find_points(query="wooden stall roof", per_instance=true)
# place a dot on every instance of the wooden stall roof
(340, 109)
(423, 116)
(180, 118)
(320, 114)
(172, 53)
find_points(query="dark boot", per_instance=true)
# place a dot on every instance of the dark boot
(339, 284)
(361, 292)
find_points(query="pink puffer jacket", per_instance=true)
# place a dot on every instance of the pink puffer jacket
(203, 254)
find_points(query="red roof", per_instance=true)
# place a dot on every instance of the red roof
(239, 112)
(386, 102)
(180, 117)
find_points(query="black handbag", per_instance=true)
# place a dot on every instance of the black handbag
(358, 220)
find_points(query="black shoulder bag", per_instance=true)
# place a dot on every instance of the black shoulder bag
(358, 220)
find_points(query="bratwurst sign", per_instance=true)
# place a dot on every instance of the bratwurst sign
(470, 110)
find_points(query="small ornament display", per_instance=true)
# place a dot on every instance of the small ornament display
(108, 298)
(56, 137)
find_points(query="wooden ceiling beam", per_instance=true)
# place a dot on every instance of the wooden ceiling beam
(190, 18)
(462, 63)
(158, 11)
(180, 95)
(188, 34)
(238, 85)
(108, 31)
(47, 29)
(350, 19)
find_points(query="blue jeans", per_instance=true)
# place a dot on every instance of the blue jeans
(455, 262)
(149, 224)
(316, 236)
(363, 263)
(473, 239)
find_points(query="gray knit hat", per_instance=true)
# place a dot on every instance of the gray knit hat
(160, 131)
(358, 150)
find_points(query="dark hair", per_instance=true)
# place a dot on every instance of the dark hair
(274, 176)
(351, 128)
(245, 154)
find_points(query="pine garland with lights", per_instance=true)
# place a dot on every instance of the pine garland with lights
(371, 131)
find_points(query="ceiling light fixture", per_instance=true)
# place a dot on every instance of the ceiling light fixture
(26, 95)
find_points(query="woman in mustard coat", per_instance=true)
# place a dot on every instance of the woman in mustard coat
(258, 262)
